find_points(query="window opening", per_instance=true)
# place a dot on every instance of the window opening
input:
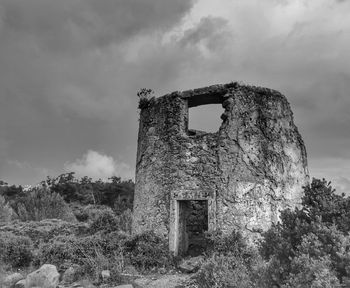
(205, 118)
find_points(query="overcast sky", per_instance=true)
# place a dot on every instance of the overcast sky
(70, 70)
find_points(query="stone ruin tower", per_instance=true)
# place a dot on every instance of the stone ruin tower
(240, 177)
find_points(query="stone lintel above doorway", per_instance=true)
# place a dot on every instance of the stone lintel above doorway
(191, 195)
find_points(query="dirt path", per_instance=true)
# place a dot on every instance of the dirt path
(162, 281)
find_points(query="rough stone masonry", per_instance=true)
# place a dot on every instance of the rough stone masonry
(249, 170)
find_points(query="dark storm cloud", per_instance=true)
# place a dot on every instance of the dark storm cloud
(82, 24)
(64, 85)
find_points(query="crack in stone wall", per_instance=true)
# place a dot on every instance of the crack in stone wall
(254, 166)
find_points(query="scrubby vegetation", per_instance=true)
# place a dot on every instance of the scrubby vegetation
(15, 250)
(309, 247)
(76, 223)
(6, 212)
(66, 221)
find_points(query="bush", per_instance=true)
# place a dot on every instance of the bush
(90, 212)
(144, 95)
(231, 263)
(41, 203)
(147, 250)
(6, 212)
(106, 221)
(224, 271)
(311, 272)
(45, 230)
(80, 250)
(15, 251)
(92, 253)
(219, 243)
(125, 221)
(311, 242)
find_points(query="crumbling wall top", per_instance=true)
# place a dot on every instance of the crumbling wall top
(216, 94)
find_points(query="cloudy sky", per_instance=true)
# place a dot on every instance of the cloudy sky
(70, 70)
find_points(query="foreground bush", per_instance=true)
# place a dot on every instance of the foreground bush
(310, 246)
(88, 213)
(106, 221)
(220, 243)
(231, 263)
(45, 230)
(40, 203)
(15, 251)
(307, 271)
(77, 249)
(224, 271)
(147, 251)
(6, 212)
(93, 254)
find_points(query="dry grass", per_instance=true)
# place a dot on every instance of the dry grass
(6, 270)
(94, 264)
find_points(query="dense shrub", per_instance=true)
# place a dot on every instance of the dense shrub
(15, 251)
(220, 243)
(45, 230)
(147, 250)
(125, 221)
(86, 191)
(145, 95)
(40, 203)
(106, 221)
(93, 253)
(6, 212)
(314, 236)
(310, 272)
(224, 271)
(231, 262)
(321, 202)
(89, 213)
(78, 249)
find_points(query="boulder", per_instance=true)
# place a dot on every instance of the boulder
(46, 276)
(71, 274)
(12, 279)
(191, 265)
(20, 284)
(105, 274)
(82, 284)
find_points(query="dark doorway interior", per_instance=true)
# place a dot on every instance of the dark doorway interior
(193, 223)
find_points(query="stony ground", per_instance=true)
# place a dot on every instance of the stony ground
(48, 277)
(162, 281)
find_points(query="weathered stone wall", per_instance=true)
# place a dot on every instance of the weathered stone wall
(254, 166)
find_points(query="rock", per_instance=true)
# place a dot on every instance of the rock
(191, 265)
(12, 279)
(129, 269)
(162, 270)
(46, 276)
(168, 281)
(71, 274)
(124, 286)
(105, 274)
(83, 284)
(20, 284)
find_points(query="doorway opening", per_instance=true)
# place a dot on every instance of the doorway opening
(192, 225)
